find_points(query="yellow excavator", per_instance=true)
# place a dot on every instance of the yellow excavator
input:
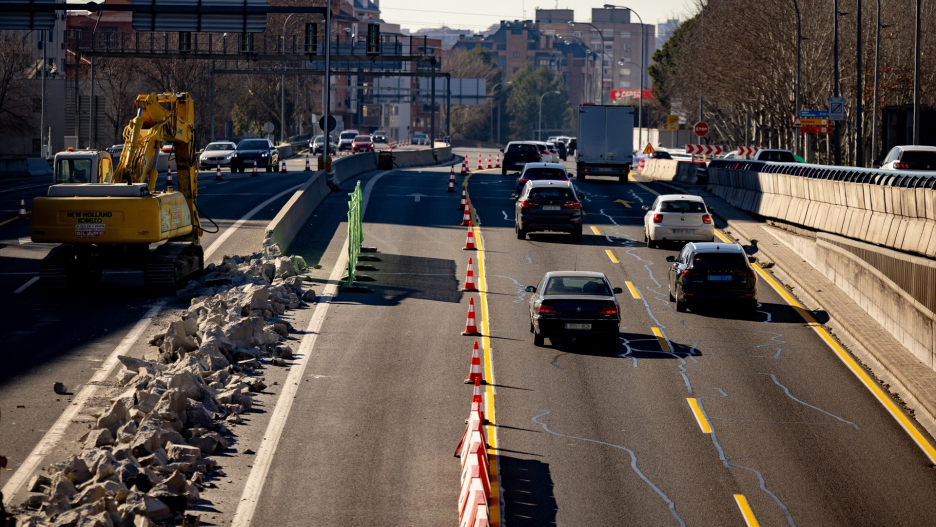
(109, 220)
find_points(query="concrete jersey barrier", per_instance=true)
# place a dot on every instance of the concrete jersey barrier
(671, 170)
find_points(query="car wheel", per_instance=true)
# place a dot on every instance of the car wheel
(680, 306)
(622, 179)
(580, 177)
(577, 234)
(532, 329)
(504, 171)
(671, 297)
(539, 340)
(521, 234)
(652, 244)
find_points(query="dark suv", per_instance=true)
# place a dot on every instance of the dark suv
(712, 271)
(547, 205)
(518, 154)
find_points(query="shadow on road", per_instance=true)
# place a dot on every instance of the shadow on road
(400, 277)
(528, 492)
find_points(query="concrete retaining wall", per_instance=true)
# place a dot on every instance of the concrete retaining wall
(670, 170)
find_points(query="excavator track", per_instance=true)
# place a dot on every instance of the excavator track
(171, 265)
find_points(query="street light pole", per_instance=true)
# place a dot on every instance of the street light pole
(643, 54)
(539, 131)
(859, 154)
(586, 46)
(283, 87)
(835, 84)
(493, 89)
(877, 69)
(799, 55)
(602, 56)
(916, 78)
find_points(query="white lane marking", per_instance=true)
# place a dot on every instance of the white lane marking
(57, 432)
(264, 458)
(25, 286)
(230, 230)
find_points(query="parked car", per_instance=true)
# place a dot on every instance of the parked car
(346, 138)
(548, 205)
(420, 138)
(250, 151)
(910, 158)
(379, 136)
(517, 154)
(540, 171)
(362, 143)
(568, 304)
(317, 145)
(215, 154)
(678, 217)
(711, 271)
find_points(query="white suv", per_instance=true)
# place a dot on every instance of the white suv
(678, 217)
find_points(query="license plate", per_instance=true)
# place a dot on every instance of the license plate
(578, 326)
(719, 278)
(521, 163)
(550, 207)
(682, 231)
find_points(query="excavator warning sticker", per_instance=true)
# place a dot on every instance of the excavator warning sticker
(164, 220)
(176, 216)
(89, 230)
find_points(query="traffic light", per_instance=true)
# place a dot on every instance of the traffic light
(373, 39)
(311, 38)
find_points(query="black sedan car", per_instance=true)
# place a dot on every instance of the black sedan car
(518, 154)
(569, 304)
(250, 151)
(712, 271)
(547, 205)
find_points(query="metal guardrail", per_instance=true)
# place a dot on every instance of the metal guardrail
(355, 232)
(871, 176)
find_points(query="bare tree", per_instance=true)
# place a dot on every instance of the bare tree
(17, 65)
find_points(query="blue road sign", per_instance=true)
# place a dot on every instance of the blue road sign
(837, 108)
(814, 114)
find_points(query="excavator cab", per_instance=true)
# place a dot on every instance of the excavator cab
(83, 166)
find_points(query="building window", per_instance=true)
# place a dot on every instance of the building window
(625, 71)
(516, 54)
(625, 84)
(550, 32)
(625, 34)
(609, 47)
(595, 35)
(578, 34)
(626, 48)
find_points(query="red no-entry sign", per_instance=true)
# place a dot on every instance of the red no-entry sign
(701, 129)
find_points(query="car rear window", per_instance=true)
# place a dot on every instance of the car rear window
(522, 149)
(719, 261)
(552, 193)
(918, 157)
(545, 173)
(575, 285)
(682, 206)
(362, 139)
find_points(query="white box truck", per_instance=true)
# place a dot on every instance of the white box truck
(605, 141)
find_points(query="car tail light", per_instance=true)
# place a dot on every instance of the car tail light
(902, 165)
(684, 275)
(528, 204)
(523, 181)
(584, 170)
(610, 310)
(546, 310)
(706, 219)
(573, 205)
(657, 218)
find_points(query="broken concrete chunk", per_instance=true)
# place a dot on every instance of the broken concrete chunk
(39, 483)
(76, 470)
(99, 438)
(135, 364)
(58, 388)
(148, 506)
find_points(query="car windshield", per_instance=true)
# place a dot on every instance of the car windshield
(362, 139)
(682, 207)
(522, 149)
(552, 193)
(420, 136)
(319, 140)
(348, 135)
(778, 156)
(255, 144)
(577, 285)
(918, 157)
(719, 261)
(544, 173)
(220, 146)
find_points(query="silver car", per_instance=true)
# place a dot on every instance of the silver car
(217, 153)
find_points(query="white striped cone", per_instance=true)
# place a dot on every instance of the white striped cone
(465, 166)
(473, 467)
(490, 166)
(254, 168)
(471, 325)
(283, 167)
(482, 519)
(466, 218)
(474, 423)
(308, 164)
(470, 286)
(470, 242)
(470, 502)
(464, 198)
(168, 179)
(218, 173)
(479, 162)
(451, 184)
(475, 371)
(479, 408)
(497, 164)
(22, 211)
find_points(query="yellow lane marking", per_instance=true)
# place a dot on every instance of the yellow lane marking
(746, 511)
(595, 230)
(641, 185)
(494, 511)
(611, 255)
(4, 222)
(633, 290)
(623, 202)
(661, 338)
(699, 416)
(857, 370)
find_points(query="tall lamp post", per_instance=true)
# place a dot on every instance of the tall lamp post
(283, 87)
(799, 60)
(498, 112)
(586, 46)
(539, 130)
(643, 69)
(836, 137)
(877, 69)
(601, 36)
(859, 153)
(916, 78)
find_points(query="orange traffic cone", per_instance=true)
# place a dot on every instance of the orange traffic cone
(254, 168)
(479, 162)
(475, 372)
(22, 211)
(471, 326)
(218, 173)
(497, 163)
(168, 179)
(464, 198)
(490, 166)
(451, 185)
(466, 218)
(469, 244)
(283, 167)
(308, 165)
(469, 278)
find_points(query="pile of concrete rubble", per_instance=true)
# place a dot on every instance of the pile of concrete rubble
(147, 457)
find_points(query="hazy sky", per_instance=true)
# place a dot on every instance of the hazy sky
(480, 14)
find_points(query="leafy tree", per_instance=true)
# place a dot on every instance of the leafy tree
(523, 102)
(663, 71)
